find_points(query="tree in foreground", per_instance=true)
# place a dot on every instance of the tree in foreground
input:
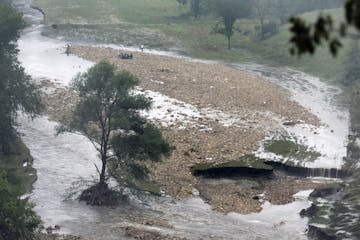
(17, 219)
(108, 115)
(17, 92)
(307, 36)
(229, 11)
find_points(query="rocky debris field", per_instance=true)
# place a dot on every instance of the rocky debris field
(210, 113)
(130, 232)
(55, 236)
(205, 85)
(144, 234)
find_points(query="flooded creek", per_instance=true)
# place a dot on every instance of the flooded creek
(67, 161)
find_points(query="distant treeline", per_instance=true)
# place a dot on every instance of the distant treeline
(283, 8)
(288, 8)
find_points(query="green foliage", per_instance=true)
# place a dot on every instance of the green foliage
(17, 219)
(290, 148)
(108, 115)
(308, 36)
(270, 29)
(263, 10)
(18, 176)
(16, 90)
(133, 175)
(229, 11)
(195, 7)
(11, 23)
(193, 36)
(183, 2)
(146, 143)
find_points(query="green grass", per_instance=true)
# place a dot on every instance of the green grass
(290, 148)
(133, 11)
(192, 36)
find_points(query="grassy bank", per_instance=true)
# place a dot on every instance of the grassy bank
(18, 166)
(163, 24)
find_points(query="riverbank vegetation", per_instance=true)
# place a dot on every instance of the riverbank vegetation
(259, 38)
(17, 93)
(262, 36)
(342, 217)
(108, 115)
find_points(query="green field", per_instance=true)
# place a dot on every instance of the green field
(162, 24)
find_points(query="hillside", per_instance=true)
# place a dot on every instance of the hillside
(165, 25)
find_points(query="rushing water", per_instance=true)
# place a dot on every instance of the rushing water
(322, 100)
(67, 161)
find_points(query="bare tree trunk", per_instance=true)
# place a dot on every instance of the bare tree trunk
(229, 43)
(104, 146)
(103, 171)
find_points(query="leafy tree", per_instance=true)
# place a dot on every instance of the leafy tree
(17, 92)
(229, 11)
(307, 36)
(17, 219)
(108, 115)
(148, 143)
(263, 9)
(195, 7)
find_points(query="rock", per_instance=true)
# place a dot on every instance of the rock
(325, 191)
(319, 233)
(195, 192)
(256, 198)
(49, 230)
(309, 212)
(290, 123)
(144, 234)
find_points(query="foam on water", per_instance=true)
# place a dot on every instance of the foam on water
(330, 139)
(70, 158)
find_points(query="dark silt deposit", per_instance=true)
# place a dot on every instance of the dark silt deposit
(306, 172)
(222, 172)
(246, 166)
(254, 167)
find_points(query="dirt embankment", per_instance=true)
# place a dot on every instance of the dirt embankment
(221, 94)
